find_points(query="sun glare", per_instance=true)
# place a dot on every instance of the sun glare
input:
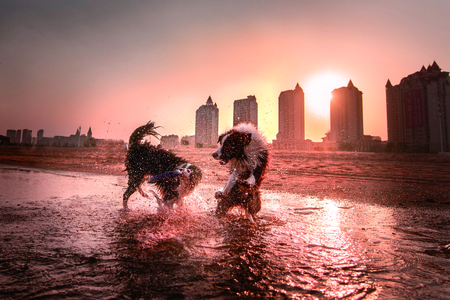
(318, 92)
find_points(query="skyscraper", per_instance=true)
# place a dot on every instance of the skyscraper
(291, 119)
(26, 136)
(418, 111)
(346, 116)
(207, 125)
(245, 111)
(11, 133)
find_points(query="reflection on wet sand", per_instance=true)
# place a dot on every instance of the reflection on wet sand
(66, 236)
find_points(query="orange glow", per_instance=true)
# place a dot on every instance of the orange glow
(318, 92)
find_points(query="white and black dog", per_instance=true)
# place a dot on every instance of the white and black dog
(247, 152)
(173, 176)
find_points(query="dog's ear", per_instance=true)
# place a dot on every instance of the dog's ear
(220, 138)
(246, 138)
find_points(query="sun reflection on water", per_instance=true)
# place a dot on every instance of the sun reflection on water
(299, 247)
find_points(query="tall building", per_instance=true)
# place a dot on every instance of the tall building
(291, 119)
(18, 136)
(40, 136)
(245, 111)
(207, 125)
(346, 116)
(11, 134)
(418, 111)
(26, 136)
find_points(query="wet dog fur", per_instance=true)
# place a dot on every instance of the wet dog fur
(144, 160)
(245, 149)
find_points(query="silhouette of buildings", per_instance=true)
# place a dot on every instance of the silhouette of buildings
(207, 125)
(245, 111)
(418, 111)
(346, 116)
(74, 140)
(19, 136)
(291, 120)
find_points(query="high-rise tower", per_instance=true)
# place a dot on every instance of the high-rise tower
(418, 111)
(291, 119)
(346, 115)
(245, 111)
(207, 125)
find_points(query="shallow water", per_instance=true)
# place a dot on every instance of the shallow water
(63, 235)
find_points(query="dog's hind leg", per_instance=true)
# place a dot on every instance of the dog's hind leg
(133, 185)
(142, 192)
(130, 191)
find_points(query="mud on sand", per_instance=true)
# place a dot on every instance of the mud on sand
(376, 178)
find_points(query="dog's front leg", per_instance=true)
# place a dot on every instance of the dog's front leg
(159, 200)
(231, 182)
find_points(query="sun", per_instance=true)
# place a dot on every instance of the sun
(318, 92)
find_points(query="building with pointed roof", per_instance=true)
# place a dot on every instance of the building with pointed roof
(291, 119)
(207, 125)
(418, 111)
(346, 116)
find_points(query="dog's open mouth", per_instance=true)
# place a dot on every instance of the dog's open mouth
(223, 162)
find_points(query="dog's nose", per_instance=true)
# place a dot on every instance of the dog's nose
(215, 155)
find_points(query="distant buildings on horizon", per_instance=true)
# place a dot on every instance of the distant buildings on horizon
(75, 140)
(418, 119)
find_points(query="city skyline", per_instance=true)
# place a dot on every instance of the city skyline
(115, 65)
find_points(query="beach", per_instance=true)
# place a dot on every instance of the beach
(332, 225)
(376, 178)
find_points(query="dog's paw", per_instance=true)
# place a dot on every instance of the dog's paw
(219, 195)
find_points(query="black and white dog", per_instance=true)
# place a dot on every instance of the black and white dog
(247, 152)
(173, 176)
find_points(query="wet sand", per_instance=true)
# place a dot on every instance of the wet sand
(375, 178)
(64, 234)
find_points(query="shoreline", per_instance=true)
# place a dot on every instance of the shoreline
(405, 180)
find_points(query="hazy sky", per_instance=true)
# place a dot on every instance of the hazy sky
(114, 65)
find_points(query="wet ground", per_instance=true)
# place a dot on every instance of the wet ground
(63, 235)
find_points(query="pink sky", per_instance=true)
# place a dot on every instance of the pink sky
(114, 65)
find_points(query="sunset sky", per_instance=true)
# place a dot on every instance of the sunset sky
(114, 65)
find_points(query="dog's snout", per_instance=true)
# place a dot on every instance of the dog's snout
(215, 155)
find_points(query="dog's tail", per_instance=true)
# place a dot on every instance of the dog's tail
(142, 131)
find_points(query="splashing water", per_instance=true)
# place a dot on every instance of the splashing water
(63, 235)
